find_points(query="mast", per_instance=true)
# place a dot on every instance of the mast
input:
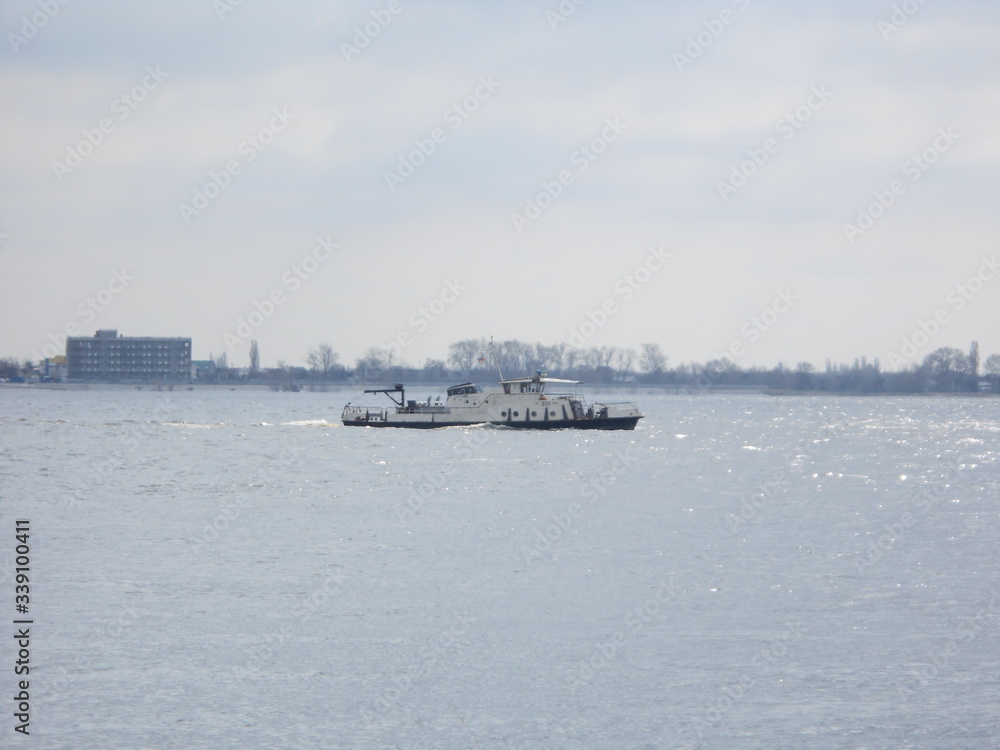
(496, 361)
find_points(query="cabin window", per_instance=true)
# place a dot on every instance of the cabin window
(464, 389)
(515, 414)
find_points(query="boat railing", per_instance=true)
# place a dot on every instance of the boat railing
(424, 409)
(363, 414)
(621, 404)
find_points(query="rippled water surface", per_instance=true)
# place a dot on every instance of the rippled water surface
(235, 569)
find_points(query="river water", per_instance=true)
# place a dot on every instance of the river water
(215, 569)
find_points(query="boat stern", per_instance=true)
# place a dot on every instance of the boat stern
(620, 415)
(362, 415)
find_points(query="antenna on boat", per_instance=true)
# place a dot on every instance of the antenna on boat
(496, 361)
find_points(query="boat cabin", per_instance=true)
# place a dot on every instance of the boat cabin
(534, 384)
(464, 389)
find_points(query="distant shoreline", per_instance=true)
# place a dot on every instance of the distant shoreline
(417, 387)
(878, 394)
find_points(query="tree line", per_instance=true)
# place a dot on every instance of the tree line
(944, 370)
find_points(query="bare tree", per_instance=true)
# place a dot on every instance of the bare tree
(721, 367)
(804, 376)
(991, 368)
(947, 367)
(605, 354)
(377, 358)
(590, 358)
(534, 358)
(435, 369)
(572, 359)
(551, 357)
(513, 356)
(9, 368)
(254, 358)
(992, 364)
(463, 355)
(652, 361)
(221, 366)
(322, 359)
(623, 361)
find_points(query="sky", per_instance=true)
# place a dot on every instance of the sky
(770, 181)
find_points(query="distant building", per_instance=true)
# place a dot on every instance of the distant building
(202, 369)
(110, 358)
(53, 369)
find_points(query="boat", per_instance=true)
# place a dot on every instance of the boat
(524, 403)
